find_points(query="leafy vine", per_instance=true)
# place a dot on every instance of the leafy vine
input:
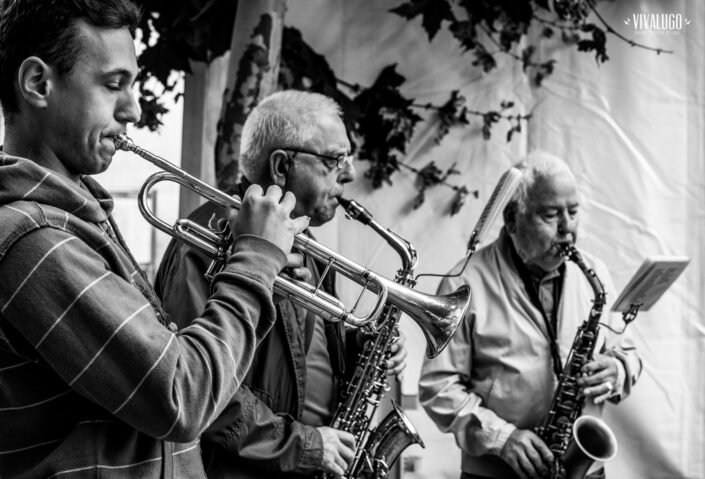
(381, 120)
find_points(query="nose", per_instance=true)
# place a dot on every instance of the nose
(347, 173)
(128, 110)
(567, 223)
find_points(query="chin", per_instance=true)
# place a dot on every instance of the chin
(100, 166)
(322, 217)
(553, 264)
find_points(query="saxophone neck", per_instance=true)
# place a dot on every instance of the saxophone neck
(404, 249)
(570, 252)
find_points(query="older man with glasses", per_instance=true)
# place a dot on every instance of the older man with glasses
(276, 425)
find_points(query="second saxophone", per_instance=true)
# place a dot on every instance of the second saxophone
(377, 449)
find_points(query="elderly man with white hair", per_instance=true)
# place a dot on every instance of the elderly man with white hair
(494, 383)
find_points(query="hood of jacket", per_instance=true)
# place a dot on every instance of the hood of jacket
(24, 180)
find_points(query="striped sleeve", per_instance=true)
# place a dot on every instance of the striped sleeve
(101, 336)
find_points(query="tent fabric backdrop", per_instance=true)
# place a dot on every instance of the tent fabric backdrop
(632, 131)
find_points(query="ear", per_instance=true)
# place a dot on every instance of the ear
(279, 164)
(510, 217)
(35, 80)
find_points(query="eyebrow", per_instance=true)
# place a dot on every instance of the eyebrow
(122, 72)
(337, 152)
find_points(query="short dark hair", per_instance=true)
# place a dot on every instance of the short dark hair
(47, 29)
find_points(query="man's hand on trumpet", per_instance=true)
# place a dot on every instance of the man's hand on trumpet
(268, 215)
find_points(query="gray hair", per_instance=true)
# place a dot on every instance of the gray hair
(537, 165)
(284, 119)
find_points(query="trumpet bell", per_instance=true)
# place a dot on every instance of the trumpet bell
(438, 316)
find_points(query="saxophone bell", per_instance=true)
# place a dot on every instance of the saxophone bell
(593, 440)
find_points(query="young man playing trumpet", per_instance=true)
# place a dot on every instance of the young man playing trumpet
(276, 425)
(93, 382)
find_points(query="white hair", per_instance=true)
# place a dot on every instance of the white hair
(536, 166)
(284, 119)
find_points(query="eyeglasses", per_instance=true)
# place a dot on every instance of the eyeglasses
(331, 162)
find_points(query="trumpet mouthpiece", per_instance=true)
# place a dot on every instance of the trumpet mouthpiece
(122, 142)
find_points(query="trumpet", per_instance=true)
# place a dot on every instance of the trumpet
(424, 309)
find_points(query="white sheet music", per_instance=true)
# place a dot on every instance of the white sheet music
(655, 275)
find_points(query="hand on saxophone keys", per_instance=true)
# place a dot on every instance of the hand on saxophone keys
(600, 378)
(338, 450)
(527, 454)
(396, 364)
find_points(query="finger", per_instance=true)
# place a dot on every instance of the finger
(334, 469)
(593, 379)
(536, 460)
(302, 274)
(519, 469)
(601, 398)
(596, 365)
(603, 392)
(346, 438)
(347, 455)
(526, 468)
(288, 201)
(301, 223)
(274, 192)
(604, 387)
(294, 260)
(398, 368)
(341, 462)
(253, 191)
(544, 451)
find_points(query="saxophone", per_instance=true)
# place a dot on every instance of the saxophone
(577, 441)
(378, 449)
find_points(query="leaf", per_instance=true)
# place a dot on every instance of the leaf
(419, 199)
(452, 113)
(152, 112)
(526, 55)
(484, 59)
(464, 32)
(433, 13)
(459, 200)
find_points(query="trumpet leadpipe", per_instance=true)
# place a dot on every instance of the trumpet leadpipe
(216, 245)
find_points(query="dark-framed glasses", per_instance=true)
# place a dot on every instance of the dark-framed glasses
(331, 162)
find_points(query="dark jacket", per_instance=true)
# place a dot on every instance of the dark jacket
(91, 384)
(259, 434)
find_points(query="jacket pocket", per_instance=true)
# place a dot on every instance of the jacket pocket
(263, 396)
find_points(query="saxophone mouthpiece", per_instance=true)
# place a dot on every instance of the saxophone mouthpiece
(568, 251)
(355, 211)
